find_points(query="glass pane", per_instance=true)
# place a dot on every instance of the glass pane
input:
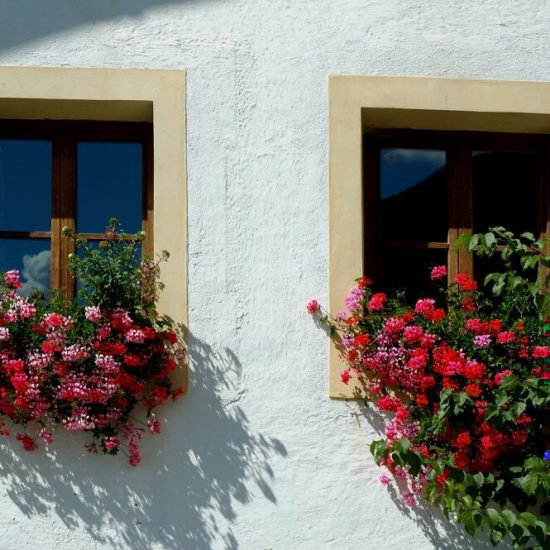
(505, 190)
(409, 270)
(413, 193)
(25, 185)
(109, 185)
(32, 257)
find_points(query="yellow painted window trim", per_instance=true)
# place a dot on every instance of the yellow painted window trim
(139, 95)
(360, 102)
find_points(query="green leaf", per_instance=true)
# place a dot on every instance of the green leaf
(414, 462)
(478, 479)
(493, 516)
(527, 483)
(518, 408)
(473, 241)
(509, 382)
(430, 491)
(528, 519)
(508, 518)
(499, 485)
(519, 530)
(396, 457)
(496, 537)
(490, 241)
(535, 463)
(517, 281)
(460, 400)
(498, 287)
(378, 450)
(539, 530)
(469, 522)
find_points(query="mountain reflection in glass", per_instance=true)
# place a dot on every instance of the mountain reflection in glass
(32, 257)
(109, 183)
(25, 185)
(413, 194)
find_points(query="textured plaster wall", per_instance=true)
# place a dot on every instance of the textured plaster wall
(257, 456)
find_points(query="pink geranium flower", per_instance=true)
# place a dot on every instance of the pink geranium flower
(438, 272)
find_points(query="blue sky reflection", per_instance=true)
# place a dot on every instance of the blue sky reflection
(25, 185)
(109, 184)
(401, 169)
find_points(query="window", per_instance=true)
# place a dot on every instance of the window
(464, 137)
(424, 189)
(76, 174)
(117, 96)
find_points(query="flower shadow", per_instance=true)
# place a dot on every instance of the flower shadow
(442, 532)
(186, 493)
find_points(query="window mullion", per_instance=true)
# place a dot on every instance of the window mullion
(56, 282)
(67, 209)
(453, 206)
(464, 204)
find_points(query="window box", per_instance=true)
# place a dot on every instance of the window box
(154, 97)
(359, 103)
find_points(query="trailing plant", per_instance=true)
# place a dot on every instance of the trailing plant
(464, 381)
(521, 288)
(86, 364)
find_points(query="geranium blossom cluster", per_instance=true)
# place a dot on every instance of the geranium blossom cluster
(82, 368)
(405, 357)
(441, 372)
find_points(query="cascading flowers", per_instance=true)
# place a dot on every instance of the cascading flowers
(86, 364)
(465, 384)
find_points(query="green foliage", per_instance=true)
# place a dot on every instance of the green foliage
(112, 273)
(467, 386)
(91, 359)
(522, 286)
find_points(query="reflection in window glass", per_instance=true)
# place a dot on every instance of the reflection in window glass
(414, 279)
(505, 190)
(109, 184)
(32, 257)
(25, 185)
(413, 193)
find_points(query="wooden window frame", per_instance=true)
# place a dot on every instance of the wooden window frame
(360, 102)
(157, 96)
(458, 147)
(64, 137)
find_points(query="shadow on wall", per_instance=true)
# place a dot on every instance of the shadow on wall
(444, 534)
(208, 461)
(27, 20)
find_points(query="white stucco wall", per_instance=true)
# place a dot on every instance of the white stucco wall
(256, 456)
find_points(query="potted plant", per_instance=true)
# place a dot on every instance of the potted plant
(464, 383)
(90, 363)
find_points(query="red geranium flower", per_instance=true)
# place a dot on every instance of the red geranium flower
(465, 282)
